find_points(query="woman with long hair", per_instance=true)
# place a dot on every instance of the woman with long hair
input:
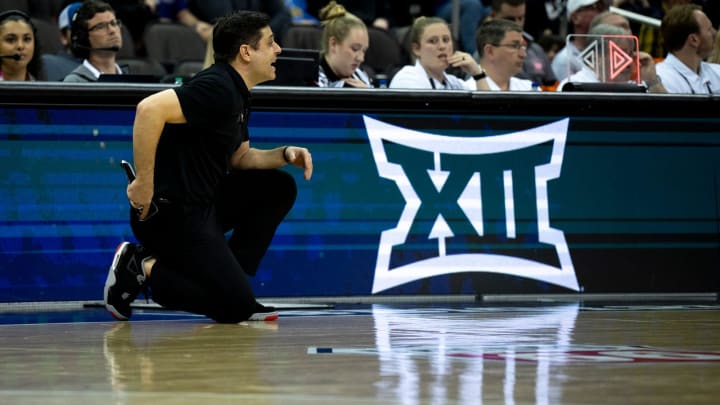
(19, 50)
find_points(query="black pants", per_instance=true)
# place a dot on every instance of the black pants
(198, 268)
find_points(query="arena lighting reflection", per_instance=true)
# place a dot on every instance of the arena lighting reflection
(456, 349)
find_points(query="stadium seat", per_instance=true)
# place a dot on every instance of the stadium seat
(384, 53)
(128, 47)
(142, 66)
(48, 35)
(172, 43)
(187, 68)
(302, 37)
(55, 67)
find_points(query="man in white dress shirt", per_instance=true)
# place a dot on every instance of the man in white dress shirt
(689, 37)
(502, 51)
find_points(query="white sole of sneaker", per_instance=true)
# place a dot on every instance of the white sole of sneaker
(110, 281)
(264, 316)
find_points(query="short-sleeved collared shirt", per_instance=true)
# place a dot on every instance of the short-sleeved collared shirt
(193, 158)
(678, 78)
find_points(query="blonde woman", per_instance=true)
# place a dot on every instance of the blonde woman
(343, 46)
(432, 47)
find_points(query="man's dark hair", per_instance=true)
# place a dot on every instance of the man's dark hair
(492, 32)
(80, 36)
(237, 29)
(679, 22)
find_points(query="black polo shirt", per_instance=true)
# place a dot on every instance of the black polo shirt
(192, 158)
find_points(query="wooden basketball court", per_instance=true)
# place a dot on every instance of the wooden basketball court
(541, 352)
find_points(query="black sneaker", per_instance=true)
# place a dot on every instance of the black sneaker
(125, 280)
(263, 313)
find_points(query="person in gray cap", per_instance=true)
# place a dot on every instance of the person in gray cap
(579, 13)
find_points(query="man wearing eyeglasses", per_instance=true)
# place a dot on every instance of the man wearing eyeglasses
(537, 64)
(96, 38)
(502, 51)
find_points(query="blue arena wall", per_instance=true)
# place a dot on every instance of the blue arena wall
(413, 192)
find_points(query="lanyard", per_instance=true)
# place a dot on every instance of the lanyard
(432, 83)
(707, 83)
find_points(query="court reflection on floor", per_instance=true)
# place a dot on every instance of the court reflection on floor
(186, 355)
(542, 354)
(430, 355)
(417, 354)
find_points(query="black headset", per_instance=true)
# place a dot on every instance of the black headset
(5, 15)
(34, 64)
(79, 36)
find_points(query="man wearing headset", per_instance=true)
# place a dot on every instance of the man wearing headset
(96, 37)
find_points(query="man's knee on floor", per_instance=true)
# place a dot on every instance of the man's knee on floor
(236, 310)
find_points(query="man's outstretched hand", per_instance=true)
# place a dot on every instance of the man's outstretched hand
(301, 158)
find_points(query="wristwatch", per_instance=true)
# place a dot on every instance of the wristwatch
(480, 76)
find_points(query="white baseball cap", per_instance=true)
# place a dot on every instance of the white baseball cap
(574, 5)
(66, 15)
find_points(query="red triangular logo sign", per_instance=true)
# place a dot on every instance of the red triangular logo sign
(619, 60)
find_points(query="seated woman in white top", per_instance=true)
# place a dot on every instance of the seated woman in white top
(344, 43)
(432, 46)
